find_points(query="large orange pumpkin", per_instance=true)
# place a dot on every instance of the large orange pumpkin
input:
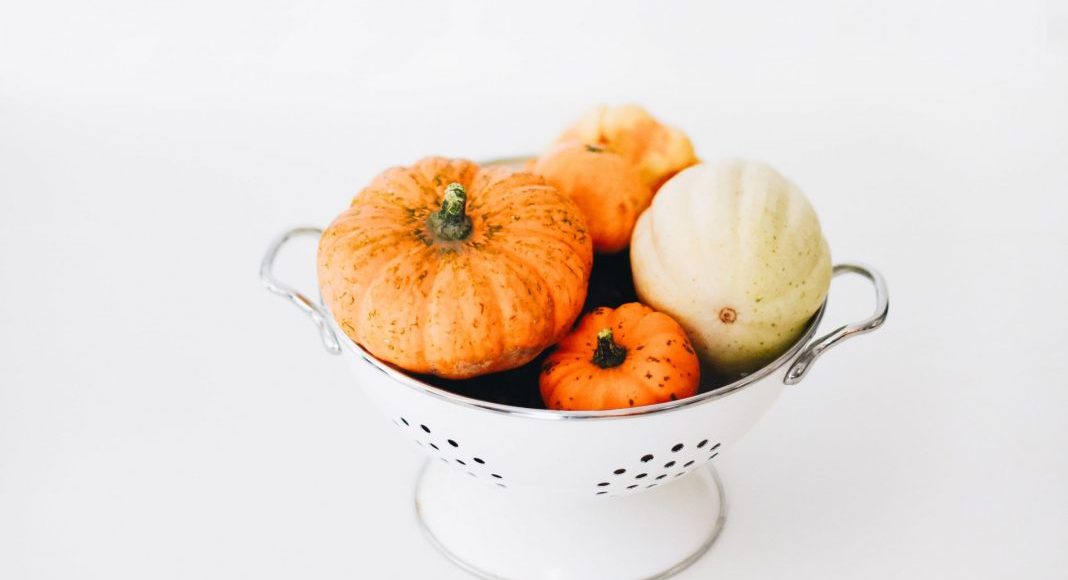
(456, 270)
(657, 150)
(627, 357)
(605, 186)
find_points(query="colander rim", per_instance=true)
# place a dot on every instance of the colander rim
(412, 382)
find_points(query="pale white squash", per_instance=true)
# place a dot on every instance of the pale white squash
(733, 251)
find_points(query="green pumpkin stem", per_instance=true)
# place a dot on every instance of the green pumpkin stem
(608, 353)
(452, 222)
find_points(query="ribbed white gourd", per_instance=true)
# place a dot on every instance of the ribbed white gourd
(734, 252)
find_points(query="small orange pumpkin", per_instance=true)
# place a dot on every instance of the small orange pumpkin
(456, 270)
(627, 357)
(657, 150)
(605, 186)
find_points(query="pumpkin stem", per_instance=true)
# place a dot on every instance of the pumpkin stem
(608, 353)
(452, 222)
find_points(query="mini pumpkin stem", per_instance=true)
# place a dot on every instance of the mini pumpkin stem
(452, 222)
(608, 353)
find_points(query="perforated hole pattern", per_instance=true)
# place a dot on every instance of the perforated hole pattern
(652, 469)
(449, 450)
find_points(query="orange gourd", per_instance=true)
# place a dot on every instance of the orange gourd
(656, 150)
(605, 186)
(456, 270)
(627, 357)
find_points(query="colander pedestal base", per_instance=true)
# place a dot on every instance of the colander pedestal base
(518, 533)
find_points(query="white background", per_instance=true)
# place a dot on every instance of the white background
(162, 416)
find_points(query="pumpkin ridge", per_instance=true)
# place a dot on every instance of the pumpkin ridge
(434, 173)
(543, 231)
(589, 324)
(370, 251)
(352, 241)
(386, 225)
(374, 207)
(651, 324)
(495, 185)
(658, 248)
(602, 112)
(566, 373)
(334, 243)
(637, 387)
(546, 327)
(490, 302)
(744, 229)
(496, 318)
(353, 317)
(422, 314)
(552, 246)
(360, 307)
(655, 341)
(424, 192)
(525, 199)
(395, 187)
(408, 282)
(548, 290)
(378, 203)
(457, 334)
(537, 198)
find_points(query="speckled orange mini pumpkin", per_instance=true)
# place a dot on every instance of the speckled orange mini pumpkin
(605, 186)
(627, 357)
(456, 270)
(656, 150)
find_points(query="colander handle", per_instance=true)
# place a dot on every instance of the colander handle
(803, 362)
(313, 309)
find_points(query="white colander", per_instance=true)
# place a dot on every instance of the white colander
(516, 492)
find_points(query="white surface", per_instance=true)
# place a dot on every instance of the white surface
(531, 535)
(161, 416)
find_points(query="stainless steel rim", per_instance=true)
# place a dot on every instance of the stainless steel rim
(439, 393)
(335, 340)
(721, 520)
